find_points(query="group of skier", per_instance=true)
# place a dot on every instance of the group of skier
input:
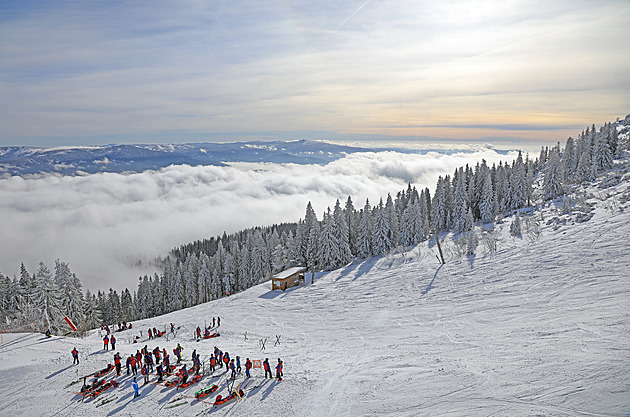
(107, 340)
(123, 325)
(147, 361)
(153, 333)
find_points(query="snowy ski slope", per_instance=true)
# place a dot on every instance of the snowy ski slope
(539, 328)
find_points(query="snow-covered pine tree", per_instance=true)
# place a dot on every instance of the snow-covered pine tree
(423, 225)
(392, 220)
(472, 241)
(113, 306)
(190, 277)
(408, 224)
(381, 242)
(460, 203)
(502, 191)
(13, 296)
(569, 159)
(518, 182)
(352, 220)
(71, 291)
(126, 306)
(553, 183)
(47, 300)
(470, 220)
(260, 269)
(602, 154)
(204, 278)
(92, 318)
(440, 206)
(584, 169)
(342, 234)
(177, 292)
(487, 203)
(157, 295)
(5, 283)
(364, 232)
(328, 243)
(515, 227)
(312, 247)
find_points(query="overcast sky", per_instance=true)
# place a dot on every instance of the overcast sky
(101, 224)
(160, 71)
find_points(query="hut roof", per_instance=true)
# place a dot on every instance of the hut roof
(288, 272)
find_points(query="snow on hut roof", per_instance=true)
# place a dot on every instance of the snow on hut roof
(288, 272)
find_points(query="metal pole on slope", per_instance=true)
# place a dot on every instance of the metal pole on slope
(437, 240)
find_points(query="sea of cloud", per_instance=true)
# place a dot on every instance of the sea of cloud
(102, 224)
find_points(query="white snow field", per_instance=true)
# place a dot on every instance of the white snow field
(541, 327)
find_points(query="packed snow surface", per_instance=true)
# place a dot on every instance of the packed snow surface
(541, 327)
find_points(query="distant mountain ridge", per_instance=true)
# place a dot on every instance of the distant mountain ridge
(23, 160)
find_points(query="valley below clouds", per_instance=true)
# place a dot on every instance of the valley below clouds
(103, 224)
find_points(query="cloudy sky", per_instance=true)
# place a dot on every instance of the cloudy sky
(92, 72)
(101, 224)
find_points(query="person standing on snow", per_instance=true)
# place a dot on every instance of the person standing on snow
(197, 364)
(160, 373)
(106, 343)
(233, 369)
(267, 368)
(117, 363)
(178, 352)
(248, 366)
(226, 360)
(238, 364)
(132, 362)
(113, 342)
(75, 355)
(218, 321)
(134, 384)
(145, 372)
(213, 362)
(220, 358)
(279, 370)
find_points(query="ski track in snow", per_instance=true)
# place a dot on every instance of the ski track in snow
(539, 328)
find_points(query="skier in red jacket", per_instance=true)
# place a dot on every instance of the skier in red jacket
(267, 368)
(75, 355)
(279, 370)
(106, 343)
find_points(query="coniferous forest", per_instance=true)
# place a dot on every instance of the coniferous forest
(463, 203)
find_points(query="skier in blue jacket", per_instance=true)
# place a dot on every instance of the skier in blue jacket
(134, 384)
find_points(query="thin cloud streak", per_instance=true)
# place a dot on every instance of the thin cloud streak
(102, 224)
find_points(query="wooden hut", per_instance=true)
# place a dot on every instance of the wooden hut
(288, 278)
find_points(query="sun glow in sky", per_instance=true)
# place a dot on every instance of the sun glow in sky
(512, 72)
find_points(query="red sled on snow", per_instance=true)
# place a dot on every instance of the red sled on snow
(223, 400)
(178, 382)
(212, 335)
(98, 388)
(105, 371)
(204, 392)
(191, 381)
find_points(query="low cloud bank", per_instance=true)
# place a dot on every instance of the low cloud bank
(101, 224)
